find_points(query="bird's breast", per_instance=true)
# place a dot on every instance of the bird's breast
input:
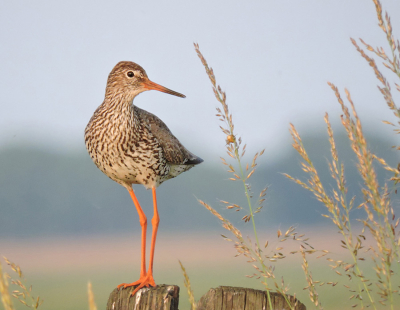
(128, 156)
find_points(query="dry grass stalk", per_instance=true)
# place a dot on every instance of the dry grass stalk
(380, 217)
(92, 304)
(311, 284)
(188, 287)
(339, 206)
(392, 63)
(4, 290)
(386, 26)
(243, 172)
(24, 293)
(234, 146)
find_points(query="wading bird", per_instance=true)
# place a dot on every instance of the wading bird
(133, 146)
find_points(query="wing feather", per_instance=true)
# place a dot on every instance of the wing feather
(175, 153)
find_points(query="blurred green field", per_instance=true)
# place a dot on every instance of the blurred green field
(59, 269)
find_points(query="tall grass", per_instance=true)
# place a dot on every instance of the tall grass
(22, 293)
(379, 223)
(186, 282)
(92, 303)
(5, 291)
(242, 172)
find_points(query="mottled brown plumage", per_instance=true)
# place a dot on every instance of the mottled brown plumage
(133, 146)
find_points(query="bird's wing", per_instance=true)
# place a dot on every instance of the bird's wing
(175, 153)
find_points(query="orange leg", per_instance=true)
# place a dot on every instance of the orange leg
(154, 222)
(143, 223)
(146, 279)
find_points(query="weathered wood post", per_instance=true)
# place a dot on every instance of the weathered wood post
(161, 297)
(166, 297)
(240, 298)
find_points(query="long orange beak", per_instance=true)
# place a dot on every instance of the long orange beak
(149, 85)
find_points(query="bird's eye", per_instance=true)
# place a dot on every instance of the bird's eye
(130, 74)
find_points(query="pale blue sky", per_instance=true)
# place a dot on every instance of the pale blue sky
(273, 58)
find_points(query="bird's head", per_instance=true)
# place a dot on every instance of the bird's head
(129, 79)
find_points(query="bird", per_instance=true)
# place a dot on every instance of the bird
(133, 146)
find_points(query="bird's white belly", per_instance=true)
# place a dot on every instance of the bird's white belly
(132, 170)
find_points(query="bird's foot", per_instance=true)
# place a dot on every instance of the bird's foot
(144, 281)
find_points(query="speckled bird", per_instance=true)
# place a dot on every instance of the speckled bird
(133, 146)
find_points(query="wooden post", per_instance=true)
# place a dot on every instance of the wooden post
(238, 298)
(161, 297)
(166, 297)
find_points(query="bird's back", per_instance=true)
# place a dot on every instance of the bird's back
(175, 153)
(177, 157)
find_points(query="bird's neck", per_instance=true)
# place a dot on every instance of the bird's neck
(122, 108)
(118, 97)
